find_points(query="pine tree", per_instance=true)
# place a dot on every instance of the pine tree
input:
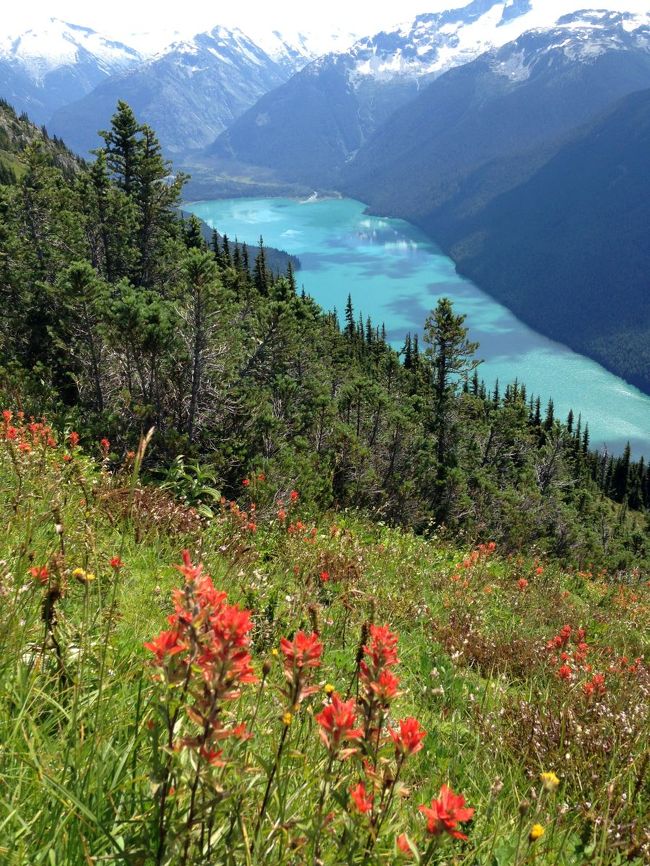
(193, 235)
(261, 276)
(225, 250)
(407, 352)
(350, 328)
(549, 420)
(291, 277)
(122, 146)
(451, 355)
(156, 196)
(214, 244)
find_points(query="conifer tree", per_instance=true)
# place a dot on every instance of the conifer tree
(451, 355)
(122, 146)
(350, 328)
(261, 275)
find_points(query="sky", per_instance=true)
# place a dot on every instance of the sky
(121, 18)
(166, 20)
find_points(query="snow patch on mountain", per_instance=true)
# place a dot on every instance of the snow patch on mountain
(434, 42)
(43, 50)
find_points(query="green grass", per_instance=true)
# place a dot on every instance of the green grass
(82, 757)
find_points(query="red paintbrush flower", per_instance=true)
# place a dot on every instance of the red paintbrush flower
(403, 845)
(362, 801)
(337, 720)
(381, 652)
(167, 643)
(304, 651)
(446, 812)
(385, 688)
(409, 739)
(40, 573)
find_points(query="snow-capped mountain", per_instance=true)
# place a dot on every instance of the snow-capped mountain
(189, 92)
(315, 123)
(510, 101)
(294, 50)
(433, 43)
(49, 66)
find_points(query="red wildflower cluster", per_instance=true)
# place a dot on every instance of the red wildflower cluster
(299, 528)
(446, 813)
(409, 739)
(573, 652)
(300, 655)
(378, 686)
(205, 649)
(25, 436)
(378, 683)
(480, 553)
(561, 639)
(337, 722)
(244, 520)
(363, 801)
(40, 573)
(623, 665)
(380, 653)
(595, 687)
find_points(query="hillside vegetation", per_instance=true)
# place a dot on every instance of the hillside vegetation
(17, 134)
(118, 317)
(486, 708)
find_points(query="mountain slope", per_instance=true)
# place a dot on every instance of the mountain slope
(541, 207)
(17, 134)
(311, 127)
(45, 68)
(533, 90)
(189, 93)
(568, 250)
(306, 129)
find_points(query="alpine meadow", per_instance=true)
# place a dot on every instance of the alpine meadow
(282, 582)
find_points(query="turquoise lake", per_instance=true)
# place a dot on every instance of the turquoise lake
(395, 275)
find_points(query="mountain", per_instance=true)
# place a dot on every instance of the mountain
(509, 101)
(47, 67)
(293, 50)
(309, 128)
(17, 134)
(189, 93)
(568, 249)
(536, 186)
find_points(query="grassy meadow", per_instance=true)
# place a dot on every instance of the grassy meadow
(299, 706)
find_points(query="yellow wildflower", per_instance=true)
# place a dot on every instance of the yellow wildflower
(328, 689)
(536, 832)
(287, 718)
(550, 781)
